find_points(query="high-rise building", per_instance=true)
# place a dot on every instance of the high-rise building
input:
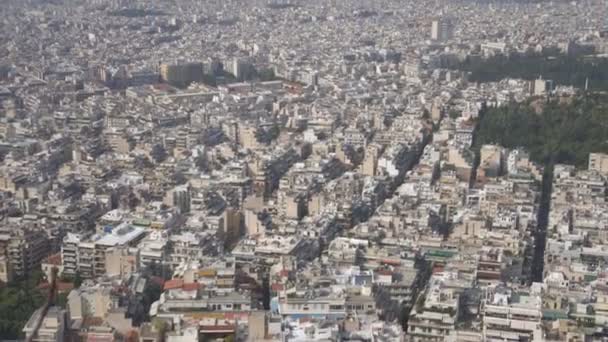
(181, 74)
(86, 255)
(233, 226)
(241, 68)
(370, 161)
(179, 197)
(442, 29)
(23, 250)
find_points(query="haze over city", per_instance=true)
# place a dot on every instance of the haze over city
(297, 171)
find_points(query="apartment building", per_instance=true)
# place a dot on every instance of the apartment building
(86, 255)
(509, 315)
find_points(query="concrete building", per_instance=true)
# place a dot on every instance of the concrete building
(369, 165)
(442, 29)
(329, 306)
(52, 328)
(491, 161)
(258, 326)
(511, 316)
(599, 162)
(89, 302)
(87, 255)
(436, 312)
(181, 74)
(542, 87)
(24, 250)
(6, 274)
(293, 206)
(179, 197)
(241, 68)
(122, 261)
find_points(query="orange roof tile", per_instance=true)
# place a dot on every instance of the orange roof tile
(384, 272)
(174, 284)
(61, 286)
(190, 287)
(54, 259)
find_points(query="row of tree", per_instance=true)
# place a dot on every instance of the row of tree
(558, 132)
(250, 74)
(562, 69)
(18, 301)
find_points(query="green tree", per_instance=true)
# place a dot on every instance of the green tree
(266, 74)
(158, 153)
(454, 114)
(562, 69)
(18, 301)
(77, 280)
(561, 132)
(179, 178)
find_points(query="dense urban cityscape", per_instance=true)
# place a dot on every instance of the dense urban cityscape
(303, 170)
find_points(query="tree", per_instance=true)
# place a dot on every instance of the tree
(266, 74)
(133, 201)
(562, 69)
(142, 162)
(179, 178)
(426, 114)
(454, 114)
(18, 301)
(266, 136)
(274, 131)
(62, 299)
(322, 135)
(158, 153)
(85, 131)
(160, 325)
(75, 189)
(201, 163)
(559, 132)
(381, 235)
(77, 280)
